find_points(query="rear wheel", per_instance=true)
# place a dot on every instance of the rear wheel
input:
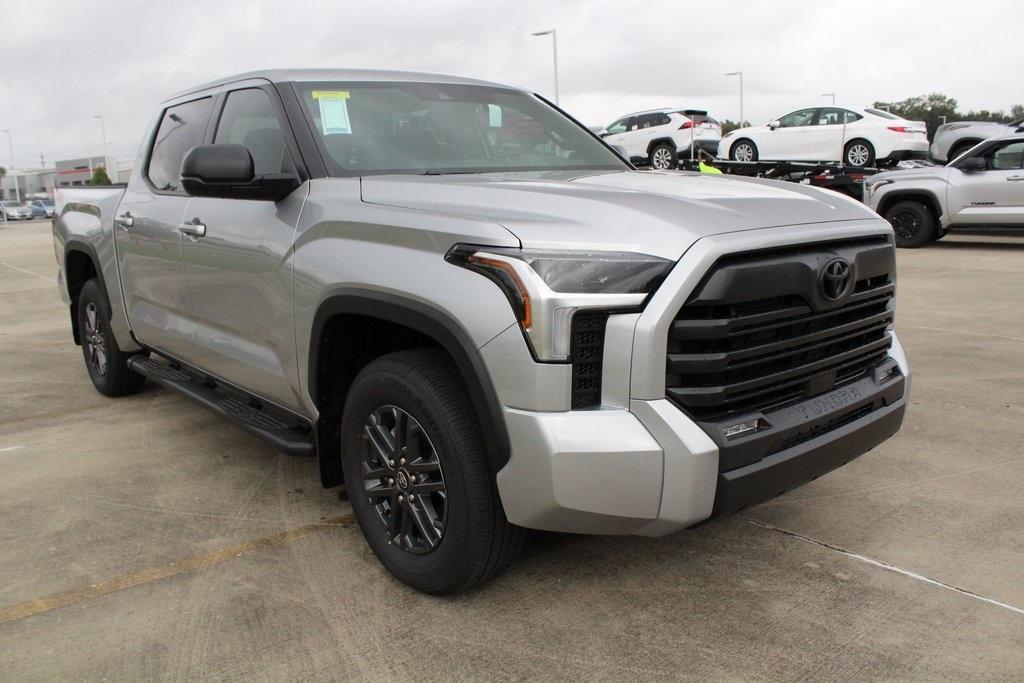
(662, 157)
(417, 477)
(859, 153)
(106, 362)
(912, 223)
(743, 150)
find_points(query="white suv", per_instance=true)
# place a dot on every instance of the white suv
(659, 137)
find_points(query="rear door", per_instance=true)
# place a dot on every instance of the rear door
(147, 233)
(826, 138)
(993, 196)
(240, 271)
(790, 140)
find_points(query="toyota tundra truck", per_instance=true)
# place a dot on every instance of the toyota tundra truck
(477, 316)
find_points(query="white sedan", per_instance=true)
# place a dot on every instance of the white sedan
(820, 134)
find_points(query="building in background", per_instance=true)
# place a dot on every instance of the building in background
(30, 181)
(71, 172)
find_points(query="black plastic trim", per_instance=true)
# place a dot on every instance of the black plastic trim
(788, 469)
(437, 325)
(90, 251)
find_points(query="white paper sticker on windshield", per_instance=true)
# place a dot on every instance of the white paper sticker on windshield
(333, 111)
(494, 115)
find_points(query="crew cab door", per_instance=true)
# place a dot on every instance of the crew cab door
(789, 141)
(993, 196)
(238, 263)
(148, 238)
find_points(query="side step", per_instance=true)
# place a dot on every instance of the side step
(257, 421)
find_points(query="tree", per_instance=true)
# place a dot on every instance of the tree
(99, 176)
(728, 126)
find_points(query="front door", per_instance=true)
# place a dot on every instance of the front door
(993, 196)
(148, 237)
(239, 271)
(789, 140)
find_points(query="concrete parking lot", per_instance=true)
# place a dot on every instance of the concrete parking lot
(144, 537)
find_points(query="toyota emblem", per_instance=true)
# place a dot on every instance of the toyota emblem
(835, 279)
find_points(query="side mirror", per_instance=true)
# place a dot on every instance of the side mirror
(971, 164)
(774, 124)
(227, 171)
(603, 134)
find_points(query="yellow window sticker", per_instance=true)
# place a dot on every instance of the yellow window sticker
(333, 111)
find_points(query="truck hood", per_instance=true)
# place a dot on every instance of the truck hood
(653, 212)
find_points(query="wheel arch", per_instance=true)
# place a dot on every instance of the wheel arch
(960, 146)
(658, 141)
(926, 197)
(346, 321)
(81, 264)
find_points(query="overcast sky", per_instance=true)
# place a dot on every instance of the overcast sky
(64, 62)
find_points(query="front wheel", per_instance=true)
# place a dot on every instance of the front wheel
(912, 223)
(743, 150)
(417, 477)
(859, 153)
(662, 157)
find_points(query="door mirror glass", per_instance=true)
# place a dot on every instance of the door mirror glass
(227, 171)
(972, 164)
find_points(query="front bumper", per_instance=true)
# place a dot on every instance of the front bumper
(639, 464)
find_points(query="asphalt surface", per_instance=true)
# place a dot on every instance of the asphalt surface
(145, 538)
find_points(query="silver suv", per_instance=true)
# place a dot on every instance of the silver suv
(477, 316)
(983, 187)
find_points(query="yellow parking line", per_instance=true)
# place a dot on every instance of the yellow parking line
(151, 574)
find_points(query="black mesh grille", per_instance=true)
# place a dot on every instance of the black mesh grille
(757, 333)
(586, 353)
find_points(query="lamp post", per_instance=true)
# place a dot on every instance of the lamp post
(10, 145)
(740, 74)
(554, 53)
(830, 94)
(103, 133)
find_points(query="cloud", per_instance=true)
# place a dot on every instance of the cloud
(68, 61)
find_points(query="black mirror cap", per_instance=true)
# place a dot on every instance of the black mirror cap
(973, 164)
(227, 171)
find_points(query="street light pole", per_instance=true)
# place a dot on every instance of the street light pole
(554, 52)
(103, 132)
(740, 74)
(10, 144)
(830, 94)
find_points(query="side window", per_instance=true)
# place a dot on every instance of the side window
(834, 117)
(1006, 157)
(618, 127)
(180, 129)
(661, 120)
(797, 118)
(249, 119)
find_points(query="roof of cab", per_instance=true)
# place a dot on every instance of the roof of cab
(300, 75)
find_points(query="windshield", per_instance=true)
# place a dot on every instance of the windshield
(396, 127)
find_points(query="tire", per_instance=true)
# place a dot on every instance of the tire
(912, 223)
(455, 535)
(105, 362)
(858, 153)
(743, 150)
(662, 157)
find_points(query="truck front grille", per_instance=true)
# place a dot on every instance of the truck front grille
(758, 332)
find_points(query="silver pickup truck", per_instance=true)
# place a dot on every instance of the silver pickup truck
(983, 187)
(477, 316)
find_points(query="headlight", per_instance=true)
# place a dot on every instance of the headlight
(547, 287)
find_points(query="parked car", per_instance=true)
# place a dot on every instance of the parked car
(14, 210)
(953, 139)
(41, 208)
(659, 137)
(984, 186)
(869, 136)
(480, 318)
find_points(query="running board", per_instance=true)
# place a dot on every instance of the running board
(244, 413)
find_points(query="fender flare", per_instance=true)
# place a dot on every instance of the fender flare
(90, 251)
(427, 320)
(891, 198)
